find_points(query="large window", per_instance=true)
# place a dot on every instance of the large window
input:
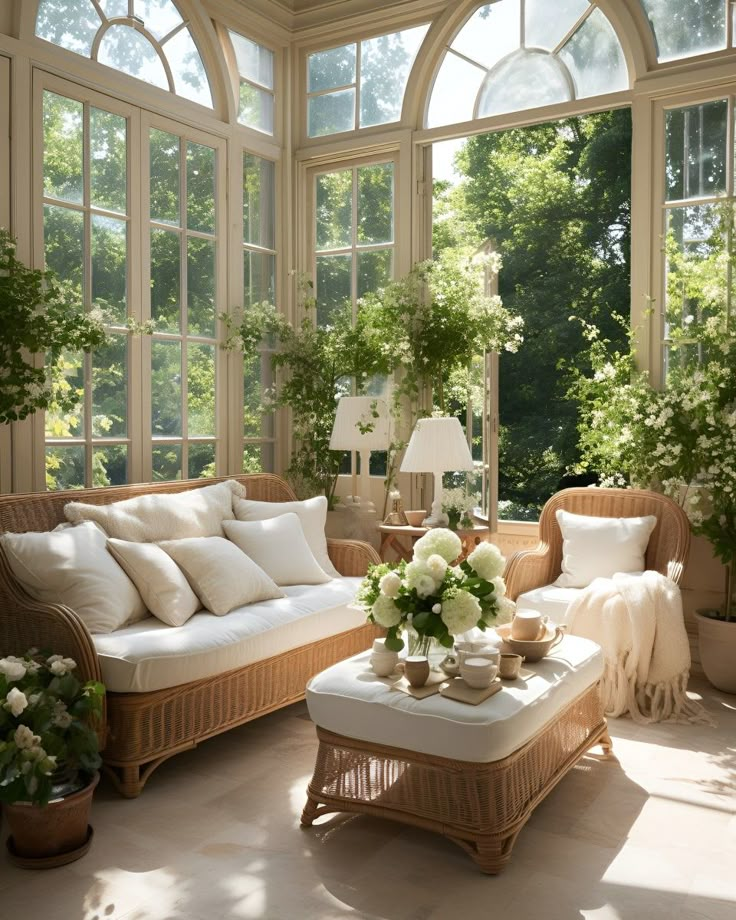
(147, 39)
(522, 54)
(254, 64)
(686, 27)
(360, 84)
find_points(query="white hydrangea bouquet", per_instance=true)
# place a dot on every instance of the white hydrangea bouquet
(433, 598)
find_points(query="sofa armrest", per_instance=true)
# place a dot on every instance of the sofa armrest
(528, 569)
(351, 557)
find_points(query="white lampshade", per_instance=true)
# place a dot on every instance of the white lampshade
(353, 411)
(437, 445)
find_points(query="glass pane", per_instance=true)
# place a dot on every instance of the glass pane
(165, 388)
(595, 59)
(201, 287)
(113, 8)
(378, 463)
(331, 113)
(254, 61)
(166, 462)
(200, 188)
(376, 203)
(164, 177)
(334, 285)
(109, 466)
(685, 27)
(110, 389)
(256, 108)
(257, 378)
(491, 33)
(159, 16)
(258, 458)
(69, 373)
(201, 389)
(454, 92)
(110, 268)
(327, 69)
(201, 460)
(62, 152)
(259, 277)
(107, 161)
(63, 232)
(697, 267)
(374, 270)
(259, 201)
(335, 209)
(524, 81)
(65, 467)
(130, 52)
(385, 65)
(695, 159)
(72, 24)
(190, 77)
(546, 24)
(165, 280)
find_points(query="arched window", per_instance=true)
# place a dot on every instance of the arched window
(147, 39)
(683, 28)
(519, 54)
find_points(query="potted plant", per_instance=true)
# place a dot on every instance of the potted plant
(48, 757)
(458, 505)
(680, 440)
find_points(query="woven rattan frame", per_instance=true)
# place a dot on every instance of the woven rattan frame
(480, 806)
(667, 551)
(145, 729)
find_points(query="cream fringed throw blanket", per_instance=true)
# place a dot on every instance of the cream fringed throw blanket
(637, 620)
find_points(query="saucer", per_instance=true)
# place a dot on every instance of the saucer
(533, 649)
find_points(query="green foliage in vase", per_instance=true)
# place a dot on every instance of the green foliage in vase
(40, 316)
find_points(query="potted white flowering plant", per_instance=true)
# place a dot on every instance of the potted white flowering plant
(434, 599)
(48, 757)
(458, 505)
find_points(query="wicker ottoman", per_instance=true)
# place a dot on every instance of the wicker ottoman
(472, 773)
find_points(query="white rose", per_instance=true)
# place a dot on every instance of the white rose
(385, 612)
(437, 567)
(12, 668)
(390, 584)
(425, 585)
(24, 738)
(61, 666)
(487, 560)
(16, 701)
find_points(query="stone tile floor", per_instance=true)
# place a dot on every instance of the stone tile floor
(650, 834)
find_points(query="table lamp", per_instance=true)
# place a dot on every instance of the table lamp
(349, 432)
(437, 445)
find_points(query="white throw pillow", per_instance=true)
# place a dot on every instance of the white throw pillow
(220, 574)
(151, 518)
(71, 566)
(312, 515)
(598, 547)
(162, 585)
(279, 547)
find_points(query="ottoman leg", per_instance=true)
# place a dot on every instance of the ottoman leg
(310, 811)
(606, 743)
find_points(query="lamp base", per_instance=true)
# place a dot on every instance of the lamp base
(436, 516)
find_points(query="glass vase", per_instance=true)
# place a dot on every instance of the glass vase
(418, 644)
(453, 519)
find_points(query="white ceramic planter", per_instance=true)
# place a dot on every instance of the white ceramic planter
(717, 641)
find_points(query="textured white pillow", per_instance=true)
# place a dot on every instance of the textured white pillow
(220, 574)
(279, 547)
(71, 566)
(162, 585)
(150, 518)
(598, 547)
(312, 515)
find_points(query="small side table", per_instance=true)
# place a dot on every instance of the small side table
(400, 540)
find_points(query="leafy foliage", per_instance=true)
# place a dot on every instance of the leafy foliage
(40, 316)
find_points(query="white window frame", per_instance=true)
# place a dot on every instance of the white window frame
(6, 465)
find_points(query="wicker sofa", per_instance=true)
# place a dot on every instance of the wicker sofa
(144, 729)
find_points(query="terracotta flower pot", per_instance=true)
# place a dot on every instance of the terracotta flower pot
(53, 834)
(717, 642)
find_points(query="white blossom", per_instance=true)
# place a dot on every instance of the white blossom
(16, 701)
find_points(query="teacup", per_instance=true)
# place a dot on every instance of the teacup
(416, 670)
(488, 652)
(478, 673)
(509, 666)
(528, 625)
(384, 663)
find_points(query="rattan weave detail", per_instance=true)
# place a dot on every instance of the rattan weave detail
(144, 729)
(480, 806)
(667, 550)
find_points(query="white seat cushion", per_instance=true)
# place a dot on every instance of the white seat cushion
(350, 700)
(550, 600)
(152, 655)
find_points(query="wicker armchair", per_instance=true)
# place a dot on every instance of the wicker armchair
(142, 730)
(667, 551)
